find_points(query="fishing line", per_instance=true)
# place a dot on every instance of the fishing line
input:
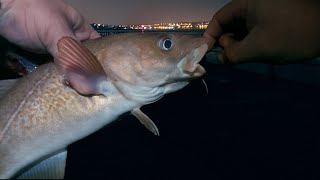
(205, 85)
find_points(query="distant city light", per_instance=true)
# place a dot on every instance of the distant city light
(159, 26)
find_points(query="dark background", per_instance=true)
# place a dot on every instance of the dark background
(249, 126)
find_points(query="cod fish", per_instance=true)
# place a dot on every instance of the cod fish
(90, 85)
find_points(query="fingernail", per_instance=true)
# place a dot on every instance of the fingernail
(95, 35)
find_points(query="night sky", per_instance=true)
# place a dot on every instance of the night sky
(146, 11)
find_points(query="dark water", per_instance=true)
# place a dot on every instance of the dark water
(248, 127)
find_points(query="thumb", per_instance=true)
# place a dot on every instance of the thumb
(253, 46)
(86, 32)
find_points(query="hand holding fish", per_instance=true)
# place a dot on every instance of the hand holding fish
(37, 25)
(268, 31)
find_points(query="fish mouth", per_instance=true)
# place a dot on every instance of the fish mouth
(190, 63)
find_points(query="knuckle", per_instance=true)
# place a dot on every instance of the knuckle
(231, 55)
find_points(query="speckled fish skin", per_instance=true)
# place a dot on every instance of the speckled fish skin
(41, 115)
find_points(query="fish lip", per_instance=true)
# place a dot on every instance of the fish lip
(200, 70)
(201, 52)
(190, 63)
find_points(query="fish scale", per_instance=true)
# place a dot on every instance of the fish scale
(42, 115)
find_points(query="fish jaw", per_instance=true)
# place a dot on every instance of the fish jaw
(190, 63)
(189, 68)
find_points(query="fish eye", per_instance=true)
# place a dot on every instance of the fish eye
(166, 44)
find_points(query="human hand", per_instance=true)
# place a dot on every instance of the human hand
(269, 31)
(37, 25)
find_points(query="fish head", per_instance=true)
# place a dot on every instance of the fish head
(166, 61)
(136, 68)
(142, 66)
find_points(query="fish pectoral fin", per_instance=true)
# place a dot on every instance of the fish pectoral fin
(146, 121)
(50, 168)
(81, 69)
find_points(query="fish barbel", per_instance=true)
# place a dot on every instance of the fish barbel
(89, 86)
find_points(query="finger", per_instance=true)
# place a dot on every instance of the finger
(55, 34)
(94, 35)
(227, 39)
(80, 26)
(224, 16)
(209, 40)
(86, 32)
(82, 33)
(222, 58)
(255, 45)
